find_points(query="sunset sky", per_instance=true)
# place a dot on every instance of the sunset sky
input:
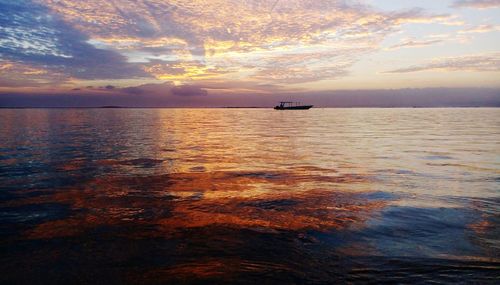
(189, 50)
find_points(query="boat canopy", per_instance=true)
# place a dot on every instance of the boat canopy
(290, 103)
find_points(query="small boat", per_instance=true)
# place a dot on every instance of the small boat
(292, 106)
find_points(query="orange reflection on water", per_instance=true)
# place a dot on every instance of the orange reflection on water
(222, 268)
(316, 209)
(174, 196)
(200, 269)
(286, 200)
(483, 226)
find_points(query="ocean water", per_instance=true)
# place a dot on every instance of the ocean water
(245, 196)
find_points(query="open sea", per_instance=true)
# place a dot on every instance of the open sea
(249, 196)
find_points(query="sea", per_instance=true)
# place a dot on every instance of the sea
(250, 196)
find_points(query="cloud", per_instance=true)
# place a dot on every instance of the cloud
(410, 43)
(294, 68)
(164, 89)
(31, 35)
(14, 74)
(429, 97)
(267, 43)
(194, 40)
(480, 29)
(464, 35)
(183, 70)
(188, 90)
(478, 4)
(204, 88)
(478, 63)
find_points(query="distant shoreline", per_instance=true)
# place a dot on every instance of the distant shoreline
(251, 107)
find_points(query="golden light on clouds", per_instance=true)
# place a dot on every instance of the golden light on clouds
(299, 42)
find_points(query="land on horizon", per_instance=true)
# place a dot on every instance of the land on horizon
(196, 53)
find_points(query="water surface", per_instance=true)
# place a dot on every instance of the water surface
(249, 195)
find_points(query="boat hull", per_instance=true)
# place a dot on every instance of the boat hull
(305, 107)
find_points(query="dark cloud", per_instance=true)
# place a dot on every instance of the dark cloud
(163, 89)
(162, 97)
(160, 89)
(30, 34)
(188, 90)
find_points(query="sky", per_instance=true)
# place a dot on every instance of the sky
(249, 52)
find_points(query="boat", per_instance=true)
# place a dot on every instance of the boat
(292, 106)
